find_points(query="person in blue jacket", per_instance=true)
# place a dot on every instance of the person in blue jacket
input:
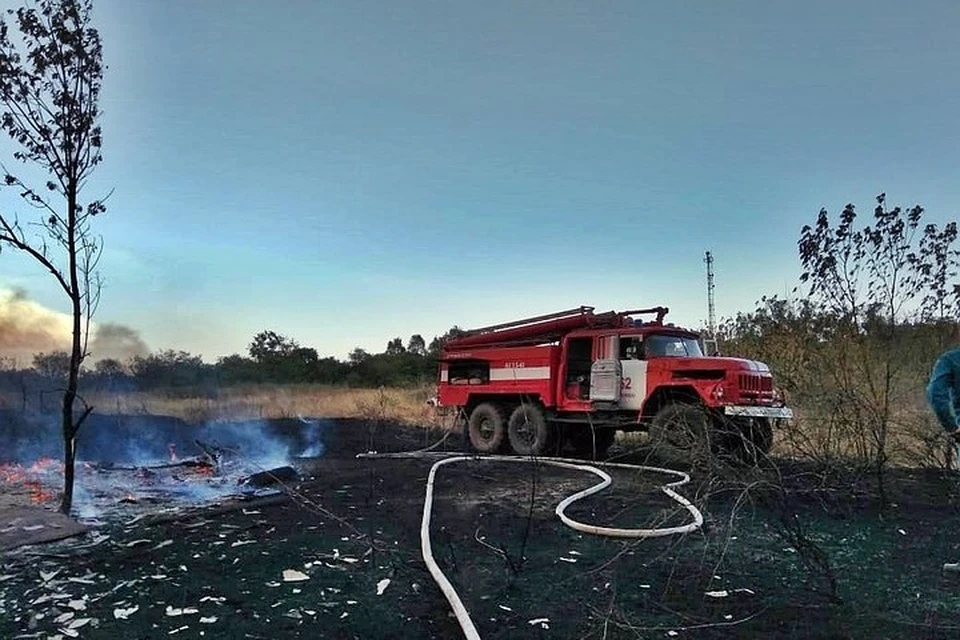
(943, 392)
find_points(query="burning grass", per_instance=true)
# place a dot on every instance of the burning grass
(35, 479)
(405, 406)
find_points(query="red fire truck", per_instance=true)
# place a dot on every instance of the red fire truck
(575, 377)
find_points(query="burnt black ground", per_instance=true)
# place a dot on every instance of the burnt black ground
(351, 523)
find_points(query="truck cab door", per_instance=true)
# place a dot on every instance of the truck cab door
(606, 371)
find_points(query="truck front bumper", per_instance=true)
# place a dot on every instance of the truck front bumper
(758, 412)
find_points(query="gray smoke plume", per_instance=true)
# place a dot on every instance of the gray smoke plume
(116, 341)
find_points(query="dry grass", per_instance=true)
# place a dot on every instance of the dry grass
(274, 401)
(915, 440)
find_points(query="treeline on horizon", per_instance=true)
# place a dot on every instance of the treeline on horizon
(875, 305)
(271, 358)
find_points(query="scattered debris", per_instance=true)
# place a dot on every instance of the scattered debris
(268, 478)
(382, 586)
(724, 593)
(47, 577)
(292, 575)
(123, 614)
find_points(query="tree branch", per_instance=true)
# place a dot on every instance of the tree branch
(9, 236)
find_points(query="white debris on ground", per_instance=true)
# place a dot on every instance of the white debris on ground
(292, 575)
(723, 593)
(44, 595)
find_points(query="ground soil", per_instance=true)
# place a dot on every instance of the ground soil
(817, 560)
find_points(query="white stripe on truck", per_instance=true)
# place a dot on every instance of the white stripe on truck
(519, 373)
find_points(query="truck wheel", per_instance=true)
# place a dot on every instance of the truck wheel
(744, 440)
(487, 428)
(680, 434)
(529, 432)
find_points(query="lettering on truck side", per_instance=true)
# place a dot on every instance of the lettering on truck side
(514, 365)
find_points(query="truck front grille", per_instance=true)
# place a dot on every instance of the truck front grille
(754, 384)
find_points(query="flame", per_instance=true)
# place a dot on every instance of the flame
(37, 493)
(45, 464)
(28, 477)
(12, 473)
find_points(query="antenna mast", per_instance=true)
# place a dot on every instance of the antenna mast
(711, 311)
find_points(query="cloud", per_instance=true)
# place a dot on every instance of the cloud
(28, 328)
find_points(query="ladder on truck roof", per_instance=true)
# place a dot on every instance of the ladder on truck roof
(545, 328)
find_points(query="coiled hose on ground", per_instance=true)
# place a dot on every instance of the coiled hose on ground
(463, 616)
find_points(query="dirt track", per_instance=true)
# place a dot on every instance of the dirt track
(354, 524)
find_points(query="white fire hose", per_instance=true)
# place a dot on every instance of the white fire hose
(463, 617)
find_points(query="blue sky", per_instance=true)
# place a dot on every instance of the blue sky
(347, 172)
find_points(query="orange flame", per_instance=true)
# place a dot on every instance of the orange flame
(37, 492)
(45, 464)
(16, 474)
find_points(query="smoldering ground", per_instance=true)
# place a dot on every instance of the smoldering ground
(135, 458)
(142, 440)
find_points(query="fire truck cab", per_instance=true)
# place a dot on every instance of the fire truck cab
(574, 378)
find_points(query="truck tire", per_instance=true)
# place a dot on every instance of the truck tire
(681, 434)
(487, 428)
(745, 441)
(529, 432)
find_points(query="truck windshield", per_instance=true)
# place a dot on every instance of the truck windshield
(672, 346)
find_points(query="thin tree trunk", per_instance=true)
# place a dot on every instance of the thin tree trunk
(70, 395)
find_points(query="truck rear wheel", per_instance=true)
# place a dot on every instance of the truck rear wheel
(529, 432)
(487, 428)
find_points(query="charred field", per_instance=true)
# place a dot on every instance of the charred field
(329, 545)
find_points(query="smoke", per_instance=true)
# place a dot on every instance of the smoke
(116, 341)
(28, 328)
(119, 443)
(143, 440)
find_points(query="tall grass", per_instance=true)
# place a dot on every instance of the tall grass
(273, 401)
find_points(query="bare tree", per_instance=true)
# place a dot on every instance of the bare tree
(877, 283)
(50, 77)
